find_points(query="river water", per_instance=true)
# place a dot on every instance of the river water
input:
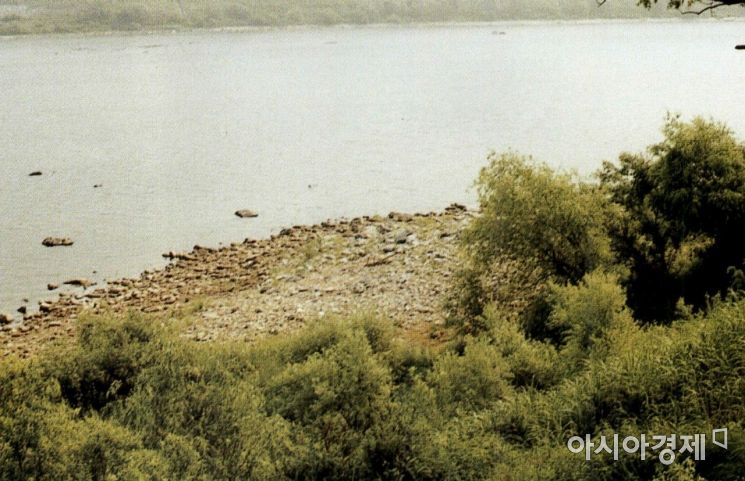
(182, 129)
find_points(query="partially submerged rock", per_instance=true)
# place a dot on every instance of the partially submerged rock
(178, 255)
(246, 213)
(5, 318)
(35, 173)
(52, 287)
(81, 282)
(456, 207)
(57, 241)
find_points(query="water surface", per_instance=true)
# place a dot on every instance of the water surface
(180, 130)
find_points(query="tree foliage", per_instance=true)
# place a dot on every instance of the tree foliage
(684, 207)
(666, 222)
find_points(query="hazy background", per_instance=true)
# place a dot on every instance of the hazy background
(35, 16)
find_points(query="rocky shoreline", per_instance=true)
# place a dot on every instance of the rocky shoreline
(397, 266)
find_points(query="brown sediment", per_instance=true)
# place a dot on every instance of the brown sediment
(396, 266)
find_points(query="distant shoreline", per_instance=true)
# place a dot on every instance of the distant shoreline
(179, 29)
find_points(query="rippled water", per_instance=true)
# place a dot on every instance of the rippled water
(181, 130)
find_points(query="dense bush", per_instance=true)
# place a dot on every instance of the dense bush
(684, 206)
(532, 213)
(667, 224)
(341, 400)
(325, 404)
(536, 226)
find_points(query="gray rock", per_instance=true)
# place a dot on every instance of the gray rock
(246, 213)
(35, 173)
(371, 232)
(401, 235)
(400, 217)
(57, 241)
(5, 318)
(52, 287)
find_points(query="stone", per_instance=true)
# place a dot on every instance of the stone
(371, 232)
(455, 207)
(400, 217)
(22, 310)
(178, 255)
(57, 241)
(52, 287)
(81, 282)
(35, 173)
(401, 235)
(5, 318)
(246, 213)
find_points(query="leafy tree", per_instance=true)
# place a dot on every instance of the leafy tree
(684, 207)
(531, 212)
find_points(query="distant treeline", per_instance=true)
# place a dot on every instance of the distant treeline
(43, 16)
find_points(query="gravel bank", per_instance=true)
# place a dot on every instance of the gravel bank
(397, 266)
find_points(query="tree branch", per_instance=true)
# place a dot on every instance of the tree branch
(678, 4)
(710, 6)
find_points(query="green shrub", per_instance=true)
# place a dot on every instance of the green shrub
(589, 314)
(337, 396)
(106, 361)
(535, 225)
(471, 381)
(512, 286)
(531, 363)
(531, 213)
(348, 400)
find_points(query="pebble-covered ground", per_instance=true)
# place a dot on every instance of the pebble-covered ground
(396, 266)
